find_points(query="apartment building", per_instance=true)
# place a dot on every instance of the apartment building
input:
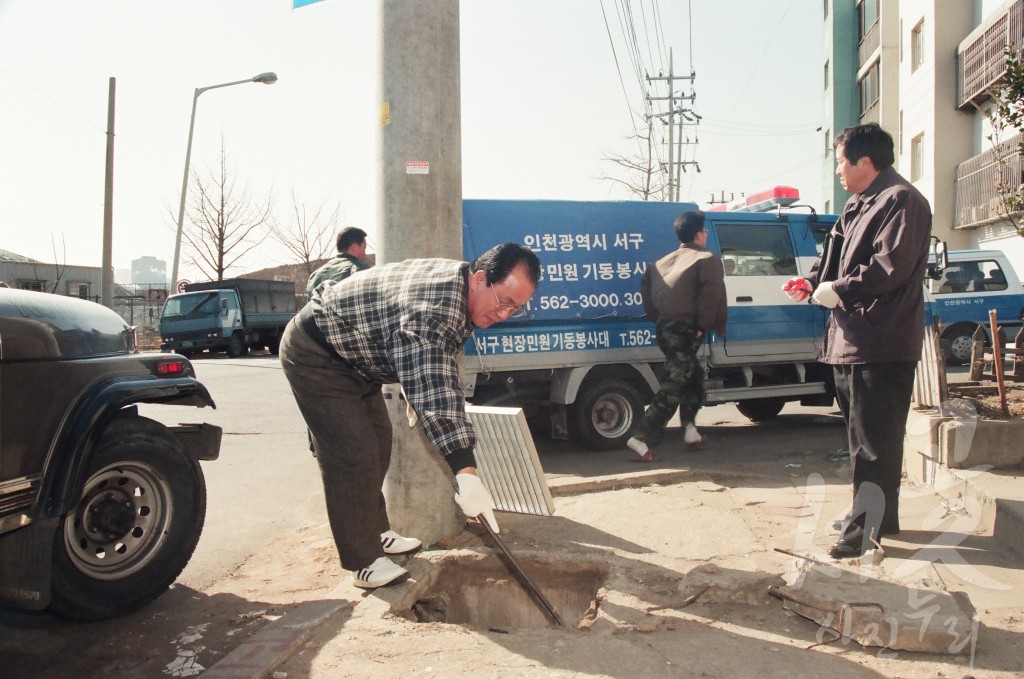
(923, 69)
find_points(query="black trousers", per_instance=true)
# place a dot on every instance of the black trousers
(875, 401)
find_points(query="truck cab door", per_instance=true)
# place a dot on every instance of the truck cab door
(230, 312)
(759, 256)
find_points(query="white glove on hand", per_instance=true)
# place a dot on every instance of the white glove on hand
(474, 500)
(826, 296)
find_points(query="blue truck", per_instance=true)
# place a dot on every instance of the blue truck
(972, 282)
(584, 358)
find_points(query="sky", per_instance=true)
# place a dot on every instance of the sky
(549, 91)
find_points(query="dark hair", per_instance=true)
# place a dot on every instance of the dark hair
(866, 140)
(688, 225)
(499, 261)
(350, 236)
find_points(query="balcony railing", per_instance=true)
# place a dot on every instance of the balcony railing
(982, 61)
(868, 44)
(977, 184)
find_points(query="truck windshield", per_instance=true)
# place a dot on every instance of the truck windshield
(184, 305)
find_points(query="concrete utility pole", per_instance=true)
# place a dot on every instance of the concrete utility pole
(107, 274)
(420, 206)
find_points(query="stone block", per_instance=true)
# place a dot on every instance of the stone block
(965, 443)
(873, 612)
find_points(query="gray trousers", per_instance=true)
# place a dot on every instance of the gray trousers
(351, 433)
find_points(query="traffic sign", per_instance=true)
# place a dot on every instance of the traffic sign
(182, 283)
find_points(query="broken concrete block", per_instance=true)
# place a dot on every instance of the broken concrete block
(877, 613)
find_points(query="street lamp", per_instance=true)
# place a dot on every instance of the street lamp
(266, 79)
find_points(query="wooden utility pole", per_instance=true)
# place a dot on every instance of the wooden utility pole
(107, 274)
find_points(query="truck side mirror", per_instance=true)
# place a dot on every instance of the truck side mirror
(940, 257)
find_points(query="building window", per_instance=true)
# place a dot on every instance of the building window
(826, 75)
(828, 143)
(826, 9)
(917, 157)
(80, 290)
(868, 86)
(917, 46)
(31, 285)
(867, 12)
(900, 132)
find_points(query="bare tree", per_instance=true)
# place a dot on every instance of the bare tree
(60, 265)
(225, 223)
(643, 177)
(309, 237)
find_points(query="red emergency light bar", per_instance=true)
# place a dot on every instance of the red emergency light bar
(764, 201)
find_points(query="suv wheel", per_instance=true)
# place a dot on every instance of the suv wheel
(135, 526)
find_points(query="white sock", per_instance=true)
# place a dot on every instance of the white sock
(692, 435)
(637, 446)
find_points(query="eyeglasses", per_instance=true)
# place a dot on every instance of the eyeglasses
(512, 310)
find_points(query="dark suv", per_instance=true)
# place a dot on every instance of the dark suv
(100, 508)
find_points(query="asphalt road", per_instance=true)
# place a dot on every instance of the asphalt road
(266, 487)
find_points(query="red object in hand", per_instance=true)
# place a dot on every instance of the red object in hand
(798, 289)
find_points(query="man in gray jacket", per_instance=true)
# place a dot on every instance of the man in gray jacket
(684, 294)
(871, 275)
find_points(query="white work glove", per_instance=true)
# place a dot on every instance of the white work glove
(797, 288)
(474, 499)
(826, 296)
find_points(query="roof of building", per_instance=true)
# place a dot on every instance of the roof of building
(8, 256)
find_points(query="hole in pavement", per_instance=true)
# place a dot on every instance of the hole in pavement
(485, 593)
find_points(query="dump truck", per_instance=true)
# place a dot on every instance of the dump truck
(233, 315)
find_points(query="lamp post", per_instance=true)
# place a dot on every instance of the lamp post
(265, 78)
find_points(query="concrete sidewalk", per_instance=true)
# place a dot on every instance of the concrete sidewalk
(670, 572)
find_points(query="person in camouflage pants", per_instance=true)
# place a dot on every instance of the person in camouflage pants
(682, 386)
(684, 294)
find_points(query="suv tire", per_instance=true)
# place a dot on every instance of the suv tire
(135, 526)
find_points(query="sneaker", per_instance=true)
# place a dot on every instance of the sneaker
(692, 437)
(381, 572)
(393, 543)
(637, 446)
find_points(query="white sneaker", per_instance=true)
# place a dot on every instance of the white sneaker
(692, 436)
(381, 572)
(637, 446)
(394, 543)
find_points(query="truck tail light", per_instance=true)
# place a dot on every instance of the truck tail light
(171, 368)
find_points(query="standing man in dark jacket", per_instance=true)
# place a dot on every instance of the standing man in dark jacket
(684, 294)
(871, 276)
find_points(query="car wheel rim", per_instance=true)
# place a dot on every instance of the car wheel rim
(961, 346)
(612, 416)
(120, 522)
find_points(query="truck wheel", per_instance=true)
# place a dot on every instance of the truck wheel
(135, 526)
(760, 409)
(274, 345)
(960, 339)
(605, 414)
(237, 346)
